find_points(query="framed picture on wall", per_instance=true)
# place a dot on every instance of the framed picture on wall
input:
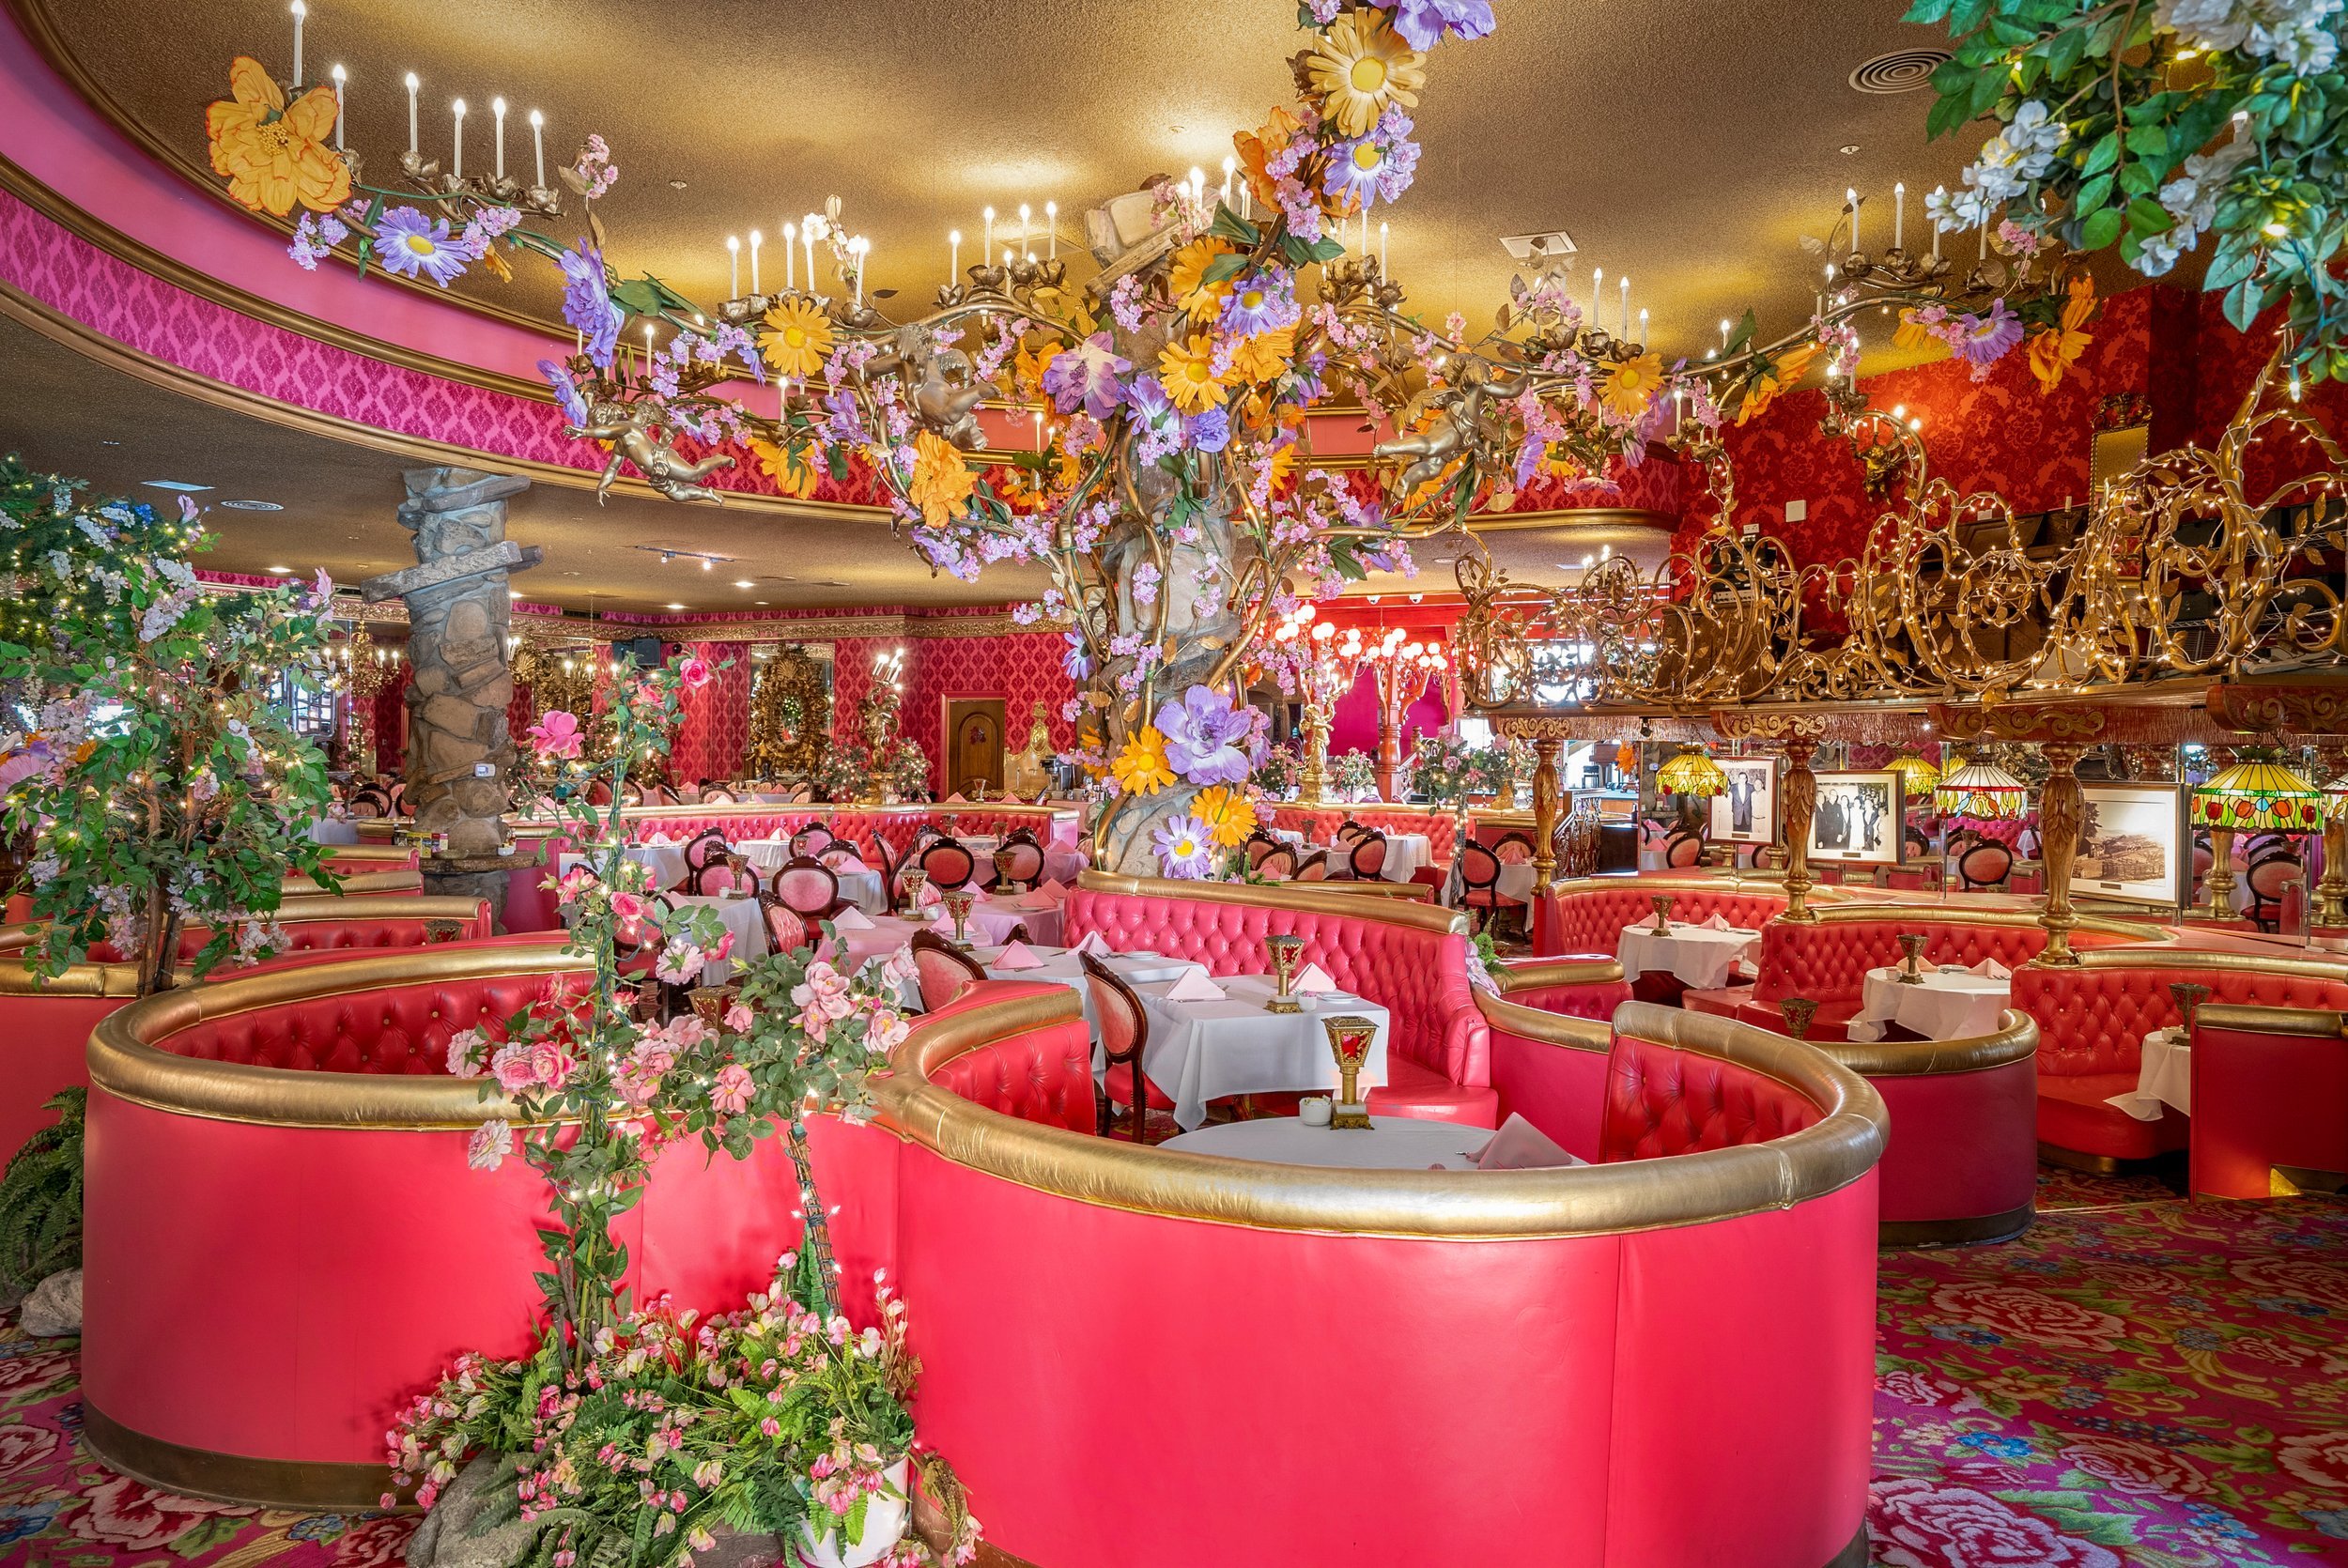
(2132, 845)
(1858, 819)
(1746, 812)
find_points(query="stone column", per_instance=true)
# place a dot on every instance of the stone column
(2059, 807)
(459, 751)
(1547, 796)
(1801, 800)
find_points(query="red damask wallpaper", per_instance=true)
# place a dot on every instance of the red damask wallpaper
(715, 728)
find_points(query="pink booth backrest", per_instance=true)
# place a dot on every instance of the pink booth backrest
(2094, 1019)
(1320, 823)
(1419, 976)
(895, 828)
(1042, 1075)
(1829, 961)
(398, 1029)
(1663, 1101)
(1590, 919)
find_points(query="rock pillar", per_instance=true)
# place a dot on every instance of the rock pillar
(459, 753)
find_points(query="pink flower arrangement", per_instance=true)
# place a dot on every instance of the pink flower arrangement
(555, 735)
(695, 673)
(731, 1093)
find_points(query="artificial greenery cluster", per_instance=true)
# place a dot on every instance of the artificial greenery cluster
(140, 754)
(2151, 125)
(40, 1199)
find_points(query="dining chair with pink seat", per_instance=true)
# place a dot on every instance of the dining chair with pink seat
(1313, 868)
(1479, 878)
(949, 865)
(787, 930)
(1984, 864)
(1024, 857)
(718, 876)
(811, 841)
(1278, 864)
(1123, 1035)
(807, 888)
(1366, 861)
(941, 971)
(704, 847)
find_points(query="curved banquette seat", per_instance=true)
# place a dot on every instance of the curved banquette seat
(1587, 914)
(287, 1149)
(2093, 1020)
(1544, 1332)
(2270, 1098)
(1408, 958)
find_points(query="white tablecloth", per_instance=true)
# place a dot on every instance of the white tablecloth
(1392, 1143)
(1515, 882)
(741, 917)
(1703, 958)
(331, 830)
(1060, 968)
(1063, 863)
(1951, 1005)
(2164, 1077)
(666, 862)
(1406, 853)
(992, 918)
(861, 887)
(1203, 1051)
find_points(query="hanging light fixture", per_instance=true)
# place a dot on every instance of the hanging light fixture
(2260, 795)
(1983, 791)
(1918, 777)
(1691, 773)
(2336, 799)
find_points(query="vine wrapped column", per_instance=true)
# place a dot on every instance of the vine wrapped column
(459, 750)
(1802, 801)
(2058, 809)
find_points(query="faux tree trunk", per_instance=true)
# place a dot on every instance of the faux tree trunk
(460, 752)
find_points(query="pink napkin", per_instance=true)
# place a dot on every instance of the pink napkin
(1315, 981)
(1051, 892)
(1718, 923)
(931, 898)
(1017, 955)
(1519, 1145)
(957, 800)
(852, 919)
(1093, 944)
(1992, 969)
(1195, 987)
(659, 838)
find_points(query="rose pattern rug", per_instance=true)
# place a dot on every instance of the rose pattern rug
(2132, 1384)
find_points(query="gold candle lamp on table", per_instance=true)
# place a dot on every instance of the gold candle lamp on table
(1283, 951)
(916, 879)
(1911, 970)
(1662, 902)
(1004, 859)
(1350, 1039)
(958, 906)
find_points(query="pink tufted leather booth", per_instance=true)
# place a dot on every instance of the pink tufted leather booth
(1320, 823)
(402, 1030)
(1587, 916)
(1437, 1061)
(1661, 1101)
(2092, 1020)
(1827, 962)
(2270, 1089)
(1043, 1075)
(896, 828)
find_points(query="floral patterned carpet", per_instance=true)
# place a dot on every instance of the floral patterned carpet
(2139, 1382)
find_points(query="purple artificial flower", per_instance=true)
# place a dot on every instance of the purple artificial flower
(1086, 377)
(1375, 166)
(1209, 740)
(1210, 431)
(1984, 340)
(1078, 660)
(1146, 397)
(414, 246)
(1182, 848)
(567, 393)
(1424, 23)
(1146, 583)
(587, 303)
(1263, 301)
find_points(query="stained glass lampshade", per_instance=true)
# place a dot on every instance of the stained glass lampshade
(2336, 799)
(1918, 776)
(1983, 791)
(2259, 794)
(1691, 773)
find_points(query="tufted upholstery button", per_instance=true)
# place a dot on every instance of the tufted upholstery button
(1044, 1075)
(1660, 1100)
(403, 1030)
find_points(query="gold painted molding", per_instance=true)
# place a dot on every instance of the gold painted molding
(124, 1064)
(1555, 972)
(1589, 1200)
(2016, 1040)
(1300, 896)
(1950, 915)
(1544, 1027)
(2307, 1023)
(298, 888)
(2203, 958)
(387, 906)
(305, 1485)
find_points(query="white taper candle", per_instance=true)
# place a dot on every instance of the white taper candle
(412, 85)
(300, 10)
(538, 147)
(733, 267)
(340, 78)
(497, 123)
(757, 239)
(1899, 215)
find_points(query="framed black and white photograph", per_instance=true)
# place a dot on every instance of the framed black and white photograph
(1858, 819)
(2131, 845)
(1746, 812)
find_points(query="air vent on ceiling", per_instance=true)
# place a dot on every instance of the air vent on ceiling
(1903, 70)
(1554, 245)
(252, 506)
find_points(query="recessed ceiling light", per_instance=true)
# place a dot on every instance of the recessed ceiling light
(109, 443)
(513, 592)
(761, 602)
(676, 606)
(252, 506)
(283, 571)
(741, 583)
(1848, 148)
(174, 484)
(676, 185)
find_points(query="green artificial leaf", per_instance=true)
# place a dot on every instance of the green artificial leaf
(2100, 229)
(2147, 216)
(1224, 268)
(2101, 155)
(1230, 226)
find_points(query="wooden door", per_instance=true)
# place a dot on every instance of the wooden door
(974, 746)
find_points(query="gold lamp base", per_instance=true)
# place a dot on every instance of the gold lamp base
(1283, 1005)
(1355, 1117)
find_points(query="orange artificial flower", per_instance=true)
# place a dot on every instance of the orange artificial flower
(275, 155)
(1026, 369)
(1788, 371)
(1255, 148)
(2054, 349)
(1633, 385)
(1910, 334)
(942, 482)
(1188, 370)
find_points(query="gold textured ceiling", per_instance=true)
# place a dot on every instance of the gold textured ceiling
(1687, 143)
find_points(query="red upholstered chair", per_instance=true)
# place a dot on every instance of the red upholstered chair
(787, 932)
(1259, 845)
(1025, 857)
(2272, 872)
(1313, 868)
(1513, 849)
(1124, 1035)
(1480, 876)
(949, 865)
(1277, 864)
(1986, 864)
(837, 854)
(1367, 862)
(806, 888)
(720, 876)
(811, 841)
(704, 847)
(1683, 850)
(1348, 831)
(2270, 1091)
(942, 970)
(718, 794)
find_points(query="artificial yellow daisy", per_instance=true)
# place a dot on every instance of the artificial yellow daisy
(273, 154)
(794, 473)
(2055, 349)
(1188, 371)
(1228, 813)
(1910, 334)
(942, 482)
(1141, 767)
(1788, 370)
(798, 338)
(1264, 356)
(1360, 65)
(1633, 385)
(1188, 278)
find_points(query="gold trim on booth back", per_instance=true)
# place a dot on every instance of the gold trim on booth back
(398, 854)
(1302, 898)
(2205, 958)
(124, 1063)
(298, 888)
(2320, 1024)
(2016, 1040)
(1632, 1195)
(319, 905)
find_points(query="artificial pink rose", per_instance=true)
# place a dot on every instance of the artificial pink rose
(2031, 1317)
(1921, 1524)
(731, 1094)
(490, 1143)
(511, 1067)
(2134, 1466)
(886, 1031)
(739, 1019)
(679, 962)
(694, 673)
(2318, 1458)
(463, 1053)
(125, 1512)
(723, 949)
(23, 1445)
(556, 735)
(551, 1064)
